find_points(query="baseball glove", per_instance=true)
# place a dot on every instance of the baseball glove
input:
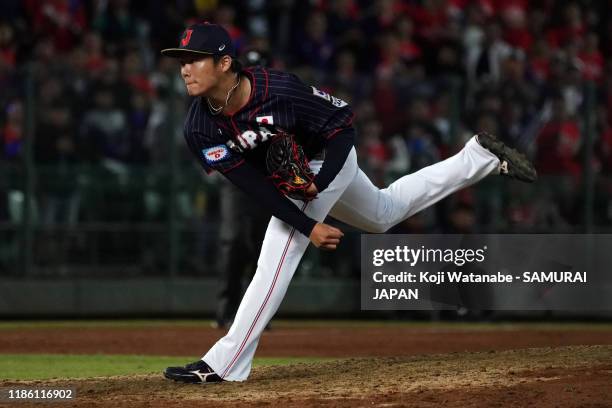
(288, 167)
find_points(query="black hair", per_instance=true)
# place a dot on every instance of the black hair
(236, 65)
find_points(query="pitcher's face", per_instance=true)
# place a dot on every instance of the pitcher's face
(200, 74)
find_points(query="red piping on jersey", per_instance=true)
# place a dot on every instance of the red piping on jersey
(223, 125)
(280, 264)
(234, 126)
(231, 117)
(332, 134)
(265, 94)
(350, 122)
(266, 91)
(336, 131)
(233, 167)
(249, 74)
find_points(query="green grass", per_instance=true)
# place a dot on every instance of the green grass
(281, 323)
(50, 366)
(95, 323)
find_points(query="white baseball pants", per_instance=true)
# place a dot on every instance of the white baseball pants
(353, 199)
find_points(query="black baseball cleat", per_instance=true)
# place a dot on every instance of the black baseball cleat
(194, 373)
(512, 163)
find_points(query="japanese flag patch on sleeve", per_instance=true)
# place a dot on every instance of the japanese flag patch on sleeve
(216, 154)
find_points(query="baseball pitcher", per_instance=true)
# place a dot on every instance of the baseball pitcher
(289, 146)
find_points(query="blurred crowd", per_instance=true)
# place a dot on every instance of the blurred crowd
(422, 76)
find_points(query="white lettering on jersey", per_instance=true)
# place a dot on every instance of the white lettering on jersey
(250, 139)
(334, 101)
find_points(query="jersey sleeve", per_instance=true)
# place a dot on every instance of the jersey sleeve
(211, 154)
(317, 112)
(261, 189)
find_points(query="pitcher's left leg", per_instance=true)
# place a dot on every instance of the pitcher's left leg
(367, 207)
(231, 357)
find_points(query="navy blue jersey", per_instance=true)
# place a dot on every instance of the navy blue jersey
(278, 101)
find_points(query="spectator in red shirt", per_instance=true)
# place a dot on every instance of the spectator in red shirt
(94, 53)
(7, 47)
(558, 142)
(62, 20)
(571, 28)
(431, 18)
(409, 49)
(134, 74)
(517, 33)
(391, 63)
(591, 59)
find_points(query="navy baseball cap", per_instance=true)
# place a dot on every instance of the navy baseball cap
(203, 38)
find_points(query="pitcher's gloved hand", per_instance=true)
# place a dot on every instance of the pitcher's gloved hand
(288, 168)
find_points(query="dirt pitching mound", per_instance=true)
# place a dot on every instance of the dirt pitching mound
(294, 340)
(544, 377)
